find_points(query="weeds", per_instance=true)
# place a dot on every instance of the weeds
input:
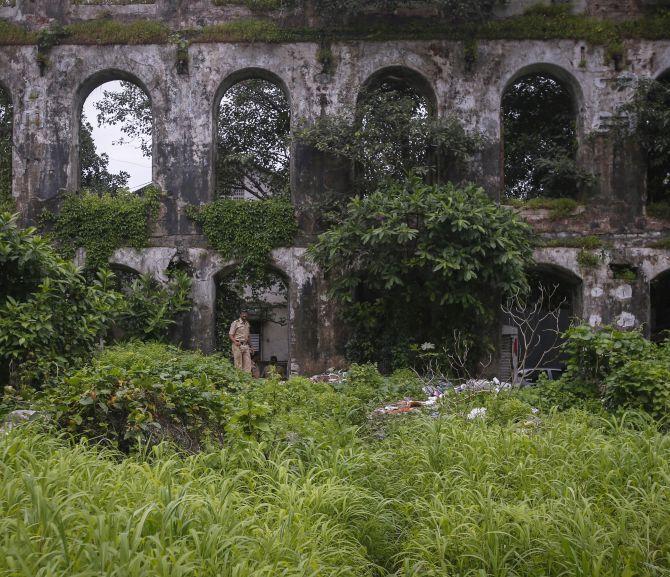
(576, 495)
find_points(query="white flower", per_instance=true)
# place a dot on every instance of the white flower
(427, 346)
(477, 412)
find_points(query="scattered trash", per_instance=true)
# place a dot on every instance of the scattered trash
(331, 376)
(15, 418)
(438, 389)
(404, 406)
(476, 413)
(476, 385)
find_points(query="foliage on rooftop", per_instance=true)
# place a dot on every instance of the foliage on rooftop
(538, 23)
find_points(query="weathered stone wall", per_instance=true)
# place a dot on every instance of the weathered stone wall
(48, 105)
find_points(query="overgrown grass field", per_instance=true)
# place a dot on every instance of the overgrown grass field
(568, 493)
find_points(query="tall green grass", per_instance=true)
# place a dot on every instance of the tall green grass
(571, 494)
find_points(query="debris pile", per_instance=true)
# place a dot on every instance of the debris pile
(476, 385)
(404, 406)
(331, 376)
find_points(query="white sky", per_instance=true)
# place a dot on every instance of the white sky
(126, 156)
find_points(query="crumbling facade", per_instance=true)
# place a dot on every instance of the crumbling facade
(47, 106)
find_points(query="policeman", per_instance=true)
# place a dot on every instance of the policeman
(239, 335)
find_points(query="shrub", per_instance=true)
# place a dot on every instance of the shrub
(50, 315)
(594, 353)
(145, 393)
(640, 384)
(101, 223)
(433, 258)
(150, 309)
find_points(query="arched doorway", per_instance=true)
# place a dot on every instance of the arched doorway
(533, 324)
(267, 303)
(659, 307)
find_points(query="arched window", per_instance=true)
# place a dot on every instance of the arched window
(253, 124)
(267, 304)
(115, 136)
(6, 128)
(393, 113)
(656, 141)
(539, 131)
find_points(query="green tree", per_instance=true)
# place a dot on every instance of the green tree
(253, 129)
(129, 107)
(94, 167)
(392, 135)
(648, 115)
(411, 262)
(6, 123)
(50, 315)
(540, 139)
(252, 125)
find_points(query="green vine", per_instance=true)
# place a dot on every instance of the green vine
(246, 231)
(102, 223)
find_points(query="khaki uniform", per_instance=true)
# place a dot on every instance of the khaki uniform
(239, 331)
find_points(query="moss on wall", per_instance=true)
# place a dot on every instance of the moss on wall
(544, 23)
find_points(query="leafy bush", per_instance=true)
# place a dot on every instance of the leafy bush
(640, 384)
(417, 261)
(562, 394)
(149, 309)
(50, 315)
(145, 393)
(593, 354)
(247, 231)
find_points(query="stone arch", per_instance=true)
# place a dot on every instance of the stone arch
(270, 324)
(554, 70)
(249, 73)
(530, 334)
(520, 176)
(124, 274)
(82, 93)
(404, 76)
(229, 82)
(566, 278)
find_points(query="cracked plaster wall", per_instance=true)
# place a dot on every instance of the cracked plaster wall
(46, 116)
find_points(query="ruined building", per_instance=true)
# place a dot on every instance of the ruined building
(627, 284)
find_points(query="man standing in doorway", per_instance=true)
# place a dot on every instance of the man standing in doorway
(239, 335)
